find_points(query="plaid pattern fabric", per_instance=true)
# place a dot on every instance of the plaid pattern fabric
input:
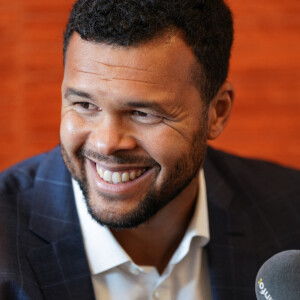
(254, 213)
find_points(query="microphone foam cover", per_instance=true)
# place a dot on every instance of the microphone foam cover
(279, 277)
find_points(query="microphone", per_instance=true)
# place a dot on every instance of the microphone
(279, 277)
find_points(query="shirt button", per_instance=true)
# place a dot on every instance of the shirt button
(156, 294)
(133, 270)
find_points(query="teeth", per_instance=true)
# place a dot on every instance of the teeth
(125, 177)
(107, 176)
(118, 177)
(101, 173)
(132, 175)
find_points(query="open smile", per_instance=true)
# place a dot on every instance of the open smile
(121, 176)
(120, 179)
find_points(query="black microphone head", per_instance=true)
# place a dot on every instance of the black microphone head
(279, 277)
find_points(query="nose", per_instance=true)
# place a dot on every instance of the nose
(111, 135)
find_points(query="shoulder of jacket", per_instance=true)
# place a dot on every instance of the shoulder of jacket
(20, 176)
(255, 170)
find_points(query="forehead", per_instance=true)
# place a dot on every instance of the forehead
(163, 60)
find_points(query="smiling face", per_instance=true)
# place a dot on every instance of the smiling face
(133, 127)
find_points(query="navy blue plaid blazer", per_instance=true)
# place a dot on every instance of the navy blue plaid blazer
(254, 212)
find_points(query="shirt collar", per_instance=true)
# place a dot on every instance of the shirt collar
(198, 229)
(103, 250)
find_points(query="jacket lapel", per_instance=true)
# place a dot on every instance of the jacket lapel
(231, 261)
(60, 264)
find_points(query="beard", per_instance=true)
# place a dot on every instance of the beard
(180, 174)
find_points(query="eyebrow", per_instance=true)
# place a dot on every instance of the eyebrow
(74, 92)
(128, 104)
(145, 104)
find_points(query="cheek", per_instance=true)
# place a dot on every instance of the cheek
(73, 131)
(166, 146)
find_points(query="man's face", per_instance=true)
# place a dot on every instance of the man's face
(133, 128)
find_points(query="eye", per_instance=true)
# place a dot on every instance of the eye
(87, 106)
(145, 118)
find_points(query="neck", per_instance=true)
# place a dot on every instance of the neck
(154, 242)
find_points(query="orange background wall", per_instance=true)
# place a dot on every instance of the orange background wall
(265, 69)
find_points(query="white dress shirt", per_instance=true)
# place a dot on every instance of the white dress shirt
(115, 276)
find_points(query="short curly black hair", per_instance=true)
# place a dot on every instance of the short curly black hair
(206, 26)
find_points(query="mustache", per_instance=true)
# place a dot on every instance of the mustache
(118, 158)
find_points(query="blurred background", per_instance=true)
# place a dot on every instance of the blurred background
(265, 69)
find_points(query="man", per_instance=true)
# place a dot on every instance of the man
(144, 88)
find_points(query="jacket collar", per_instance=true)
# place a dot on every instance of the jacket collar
(60, 265)
(232, 262)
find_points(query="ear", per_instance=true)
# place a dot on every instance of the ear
(220, 110)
